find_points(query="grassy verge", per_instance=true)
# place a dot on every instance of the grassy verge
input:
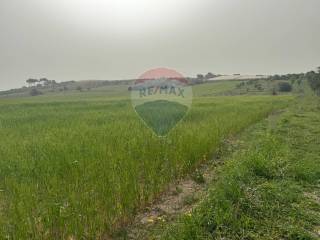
(269, 189)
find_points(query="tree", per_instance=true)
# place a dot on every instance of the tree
(274, 92)
(200, 76)
(210, 75)
(314, 81)
(284, 87)
(44, 81)
(79, 88)
(31, 81)
(198, 80)
(52, 83)
(49, 83)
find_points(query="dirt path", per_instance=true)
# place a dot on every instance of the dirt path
(184, 195)
(180, 198)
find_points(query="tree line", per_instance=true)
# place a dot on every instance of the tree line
(314, 80)
(32, 82)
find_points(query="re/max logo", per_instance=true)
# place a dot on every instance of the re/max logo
(144, 92)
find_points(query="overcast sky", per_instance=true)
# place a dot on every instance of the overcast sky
(118, 39)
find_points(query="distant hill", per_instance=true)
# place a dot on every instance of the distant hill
(238, 77)
(82, 85)
(87, 85)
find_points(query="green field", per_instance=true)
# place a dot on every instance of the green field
(267, 188)
(82, 164)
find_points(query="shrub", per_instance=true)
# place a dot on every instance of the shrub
(79, 88)
(284, 87)
(35, 92)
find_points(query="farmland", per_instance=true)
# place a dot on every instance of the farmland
(159, 120)
(82, 164)
(268, 187)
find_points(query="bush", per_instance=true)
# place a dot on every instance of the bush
(285, 87)
(35, 92)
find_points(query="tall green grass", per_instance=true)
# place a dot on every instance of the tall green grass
(82, 168)
(268, 189)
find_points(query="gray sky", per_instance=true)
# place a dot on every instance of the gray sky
(117, 39)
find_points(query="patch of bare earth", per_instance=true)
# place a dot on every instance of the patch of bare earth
(183, 196)
(180, 198)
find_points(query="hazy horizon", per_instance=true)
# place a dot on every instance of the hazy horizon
(120, 39)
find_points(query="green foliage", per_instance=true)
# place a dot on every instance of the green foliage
(290, 76)
(35, 92)
(262, 192)
(284, 87)
(314, 81)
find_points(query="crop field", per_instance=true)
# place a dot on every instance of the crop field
(268, 186)
(80, 165)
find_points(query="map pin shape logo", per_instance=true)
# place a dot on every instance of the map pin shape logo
(161, 97)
